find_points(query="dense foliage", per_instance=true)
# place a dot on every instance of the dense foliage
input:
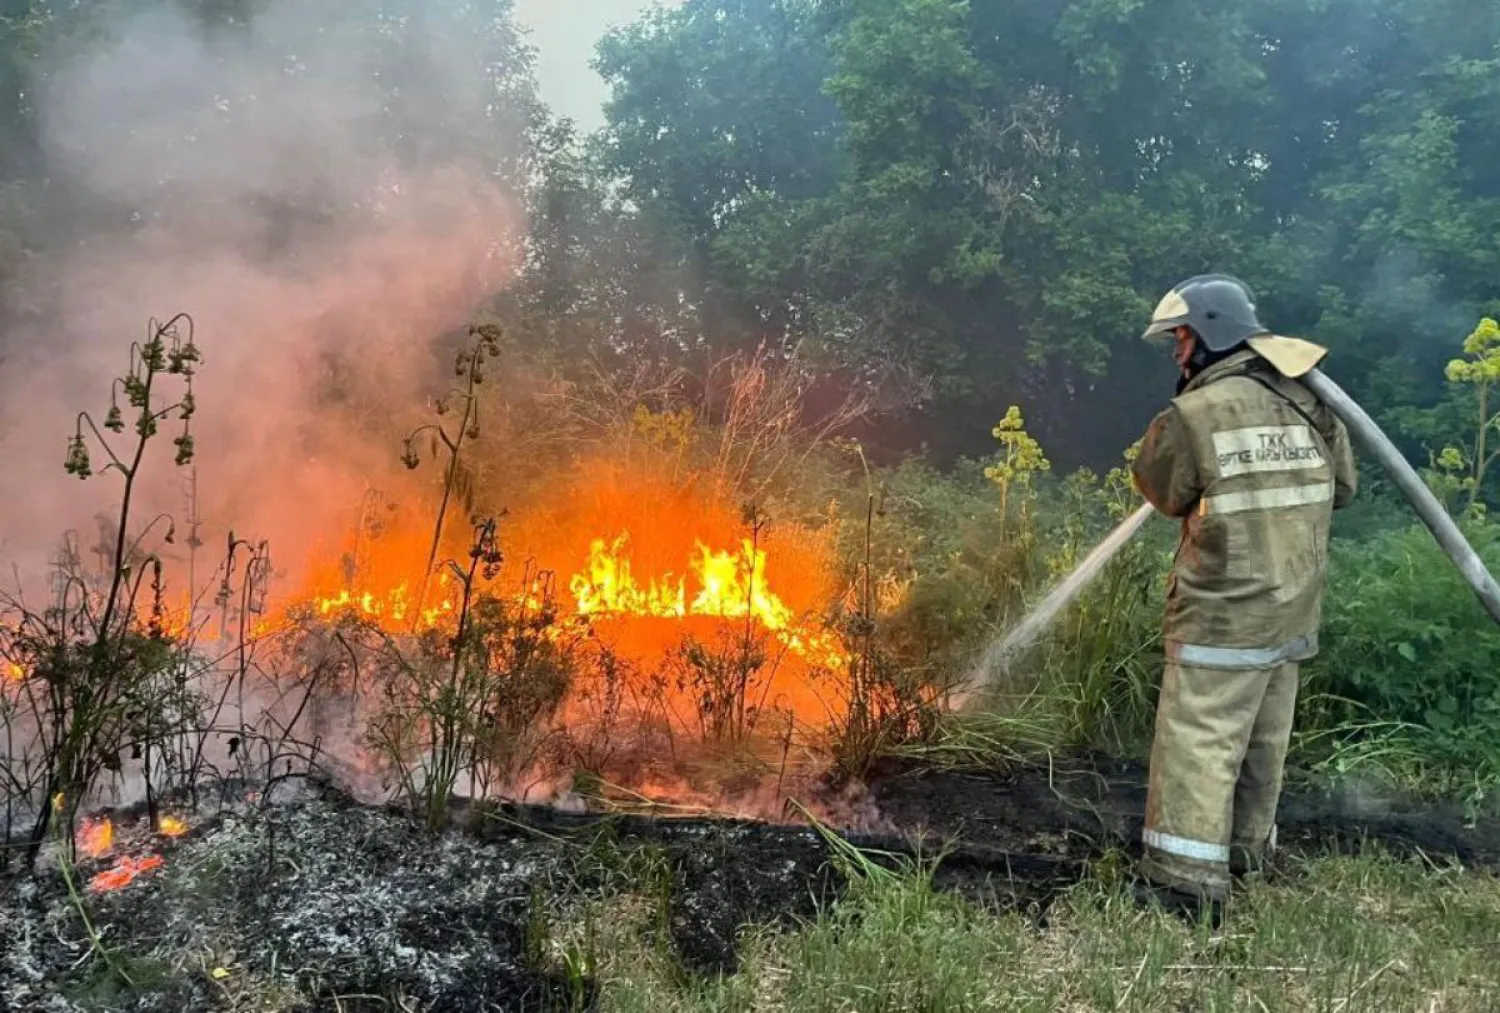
(977, 204)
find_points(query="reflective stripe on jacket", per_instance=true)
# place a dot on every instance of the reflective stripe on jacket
(1254, 464)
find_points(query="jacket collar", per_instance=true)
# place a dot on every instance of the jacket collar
(1235, 363)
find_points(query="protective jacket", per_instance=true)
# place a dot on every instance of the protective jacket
(1254, 464)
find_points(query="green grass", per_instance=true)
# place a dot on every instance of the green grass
(1337, 935)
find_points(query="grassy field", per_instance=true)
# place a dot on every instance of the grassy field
(1334, 934)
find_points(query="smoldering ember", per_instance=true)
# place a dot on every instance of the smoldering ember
(739, 554)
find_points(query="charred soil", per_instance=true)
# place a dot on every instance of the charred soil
(1078, 808)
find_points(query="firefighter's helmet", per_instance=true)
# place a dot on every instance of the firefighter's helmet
(1220, 309)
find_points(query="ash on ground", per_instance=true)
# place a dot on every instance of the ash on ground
(322, 903)
(316, 897)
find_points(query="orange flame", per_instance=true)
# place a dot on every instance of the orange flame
(645, 567)
(96, 837)
(15, 672)
(609, 586)
(171, 826)
(124, 872)
(175, 622)
(391, 609)
(731, 592)
(728, 586)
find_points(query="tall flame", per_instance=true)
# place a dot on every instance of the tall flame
(731, 592)
(730, 586)
(606, 585)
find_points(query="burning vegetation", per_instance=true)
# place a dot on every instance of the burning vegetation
(636, 609)
(665, 620)
(637, 627)
(728, 586)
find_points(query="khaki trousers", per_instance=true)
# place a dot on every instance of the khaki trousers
(1216, 770)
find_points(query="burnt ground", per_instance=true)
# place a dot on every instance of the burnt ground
(346, 907)
(1076, 809)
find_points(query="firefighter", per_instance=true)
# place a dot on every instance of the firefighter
(1253, 464)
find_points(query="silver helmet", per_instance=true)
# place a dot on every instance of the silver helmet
(1220, 310)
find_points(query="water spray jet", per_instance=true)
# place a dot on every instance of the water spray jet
(1000, 655)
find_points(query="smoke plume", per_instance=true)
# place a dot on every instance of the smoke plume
(327, 189)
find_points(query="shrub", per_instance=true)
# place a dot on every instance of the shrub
(468, 702)
(1405, 640)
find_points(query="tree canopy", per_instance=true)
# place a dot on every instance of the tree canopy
(991, 196)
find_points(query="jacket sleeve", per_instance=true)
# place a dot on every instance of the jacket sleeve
(1345, 475)
(1166, 469)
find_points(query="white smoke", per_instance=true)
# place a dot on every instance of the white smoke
(325, 188)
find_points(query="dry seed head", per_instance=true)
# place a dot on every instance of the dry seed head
(183, 355)
(78, 457)
(135, 390)
(486, 337)
(154, 355)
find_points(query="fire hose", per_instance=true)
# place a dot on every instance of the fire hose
(1431, 512)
